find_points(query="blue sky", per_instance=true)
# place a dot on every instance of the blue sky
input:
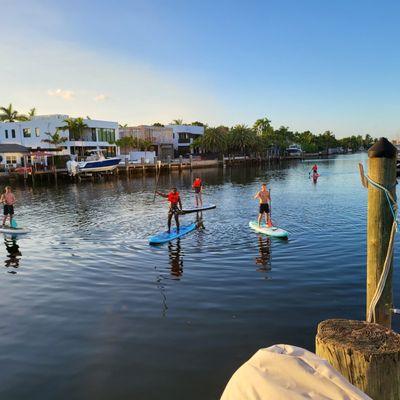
(314, 65)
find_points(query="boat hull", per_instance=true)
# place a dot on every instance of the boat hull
(108, 164)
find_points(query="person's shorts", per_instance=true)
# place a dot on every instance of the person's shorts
(197, 190)
(173, 210)
(264, 208)
(8, 210)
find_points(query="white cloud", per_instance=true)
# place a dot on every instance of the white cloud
(100, 97)
(64, 94)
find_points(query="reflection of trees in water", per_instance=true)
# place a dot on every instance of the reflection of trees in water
(13, 256)
(264, 254)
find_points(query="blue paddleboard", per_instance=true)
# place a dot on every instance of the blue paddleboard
(165, 237)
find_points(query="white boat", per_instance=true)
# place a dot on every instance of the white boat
(94, 163)
(294, 150)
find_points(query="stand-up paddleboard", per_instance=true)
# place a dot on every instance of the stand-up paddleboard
(13, 231)
(197, 209)
(165, 237)
(270, 231)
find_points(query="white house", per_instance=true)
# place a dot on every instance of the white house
(31, 134)
(183, 137)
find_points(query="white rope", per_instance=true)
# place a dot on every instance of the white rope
(386, 266)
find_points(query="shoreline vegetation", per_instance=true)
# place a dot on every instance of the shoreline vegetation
(262, 137)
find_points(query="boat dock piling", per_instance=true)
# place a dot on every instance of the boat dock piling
(367, 352)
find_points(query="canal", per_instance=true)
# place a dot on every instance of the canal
(90, 310)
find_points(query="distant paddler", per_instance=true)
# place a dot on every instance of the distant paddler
(198, 188)
(264, 198)
(175, 206)
(314, 169)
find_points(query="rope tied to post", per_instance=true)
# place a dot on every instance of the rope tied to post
(392, 203)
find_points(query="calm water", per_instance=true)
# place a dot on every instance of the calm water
(90, 310)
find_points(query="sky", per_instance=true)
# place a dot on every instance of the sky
(307, 64)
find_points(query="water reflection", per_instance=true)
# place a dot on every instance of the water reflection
(199, 220)
(13, 253)
(264, 254)
(175, 258)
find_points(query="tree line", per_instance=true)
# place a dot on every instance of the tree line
(262, 137)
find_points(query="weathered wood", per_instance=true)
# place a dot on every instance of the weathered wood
(381, 169)
(367, 354)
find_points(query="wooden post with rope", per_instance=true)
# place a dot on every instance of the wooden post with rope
(367, 353)
(382, 170)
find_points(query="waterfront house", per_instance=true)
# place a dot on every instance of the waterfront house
(160, 138)
(30, 134)
(183, 136)
(12, 155)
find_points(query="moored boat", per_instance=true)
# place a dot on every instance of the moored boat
(96, 162)
(294, 150)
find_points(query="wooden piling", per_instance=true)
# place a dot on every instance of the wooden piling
(382, 170)
(368, 353)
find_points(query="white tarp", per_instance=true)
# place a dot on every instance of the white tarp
(284, 372)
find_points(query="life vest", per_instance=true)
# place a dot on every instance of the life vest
(173, 198)
(197, 183)
(315, 168)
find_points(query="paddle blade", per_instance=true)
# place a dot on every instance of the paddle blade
(14, 223)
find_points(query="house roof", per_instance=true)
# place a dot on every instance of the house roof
(13, 148)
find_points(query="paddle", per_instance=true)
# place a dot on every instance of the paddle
(157, 178)
(14, 224)
(270, 207)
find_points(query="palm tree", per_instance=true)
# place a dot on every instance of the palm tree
(214, 139)
(177, 122)
(75, 127)
(262, 126)
(32, 112)
(242, 138)
(11, 115)
(126, 142)
(55, 139)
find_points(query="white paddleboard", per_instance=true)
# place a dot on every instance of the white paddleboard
(270, 231)
(14, 231)
(197, 209)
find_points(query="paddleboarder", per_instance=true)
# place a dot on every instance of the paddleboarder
(314, 169)
(175, 206)
(264, 198)
(198, 188)
(8, 199)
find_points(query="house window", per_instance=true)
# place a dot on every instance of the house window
(13, 133)
(27, 132)
(106, 135)
(37, 132)
(6, 133)
(94, 135)
(11, 159)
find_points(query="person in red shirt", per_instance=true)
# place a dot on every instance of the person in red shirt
(314, 169)
(198, 188)
(175, 206)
